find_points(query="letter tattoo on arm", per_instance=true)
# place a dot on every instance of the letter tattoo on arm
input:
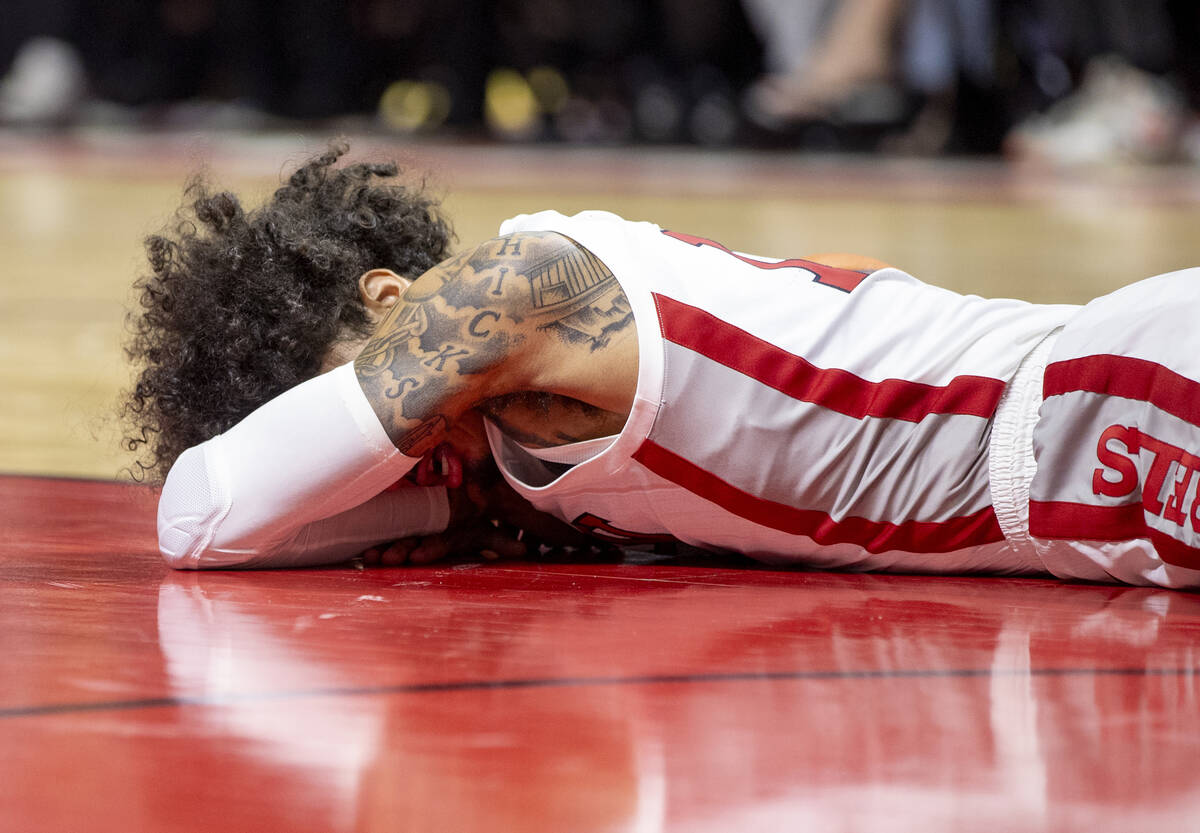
(415, 368)
(433, 355)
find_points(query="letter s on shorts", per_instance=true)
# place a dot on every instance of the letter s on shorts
(1116, 461)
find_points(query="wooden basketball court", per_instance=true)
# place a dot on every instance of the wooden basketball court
(657, 693)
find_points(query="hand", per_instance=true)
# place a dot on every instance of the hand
(475, 538)
(489, 519)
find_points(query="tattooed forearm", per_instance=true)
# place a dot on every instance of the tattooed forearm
(431, 355)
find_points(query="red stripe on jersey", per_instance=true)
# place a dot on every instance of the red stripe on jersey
(1084, 522)
(873, 536)
(1127, 377)
(1174, 551)
(847, 280)
(837, 390)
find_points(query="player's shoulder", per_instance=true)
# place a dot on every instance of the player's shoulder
(525, 252)
(549, 245)
(601, 235)
(516, 274)
(551, 220)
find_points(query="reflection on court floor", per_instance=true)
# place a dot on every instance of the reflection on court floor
(547, 697)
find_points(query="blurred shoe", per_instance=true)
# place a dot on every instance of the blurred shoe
(1119, 114)
(775, 103)
(45, 85)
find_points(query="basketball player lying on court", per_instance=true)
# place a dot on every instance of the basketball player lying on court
(640, 384)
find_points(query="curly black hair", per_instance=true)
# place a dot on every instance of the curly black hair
(242, 305)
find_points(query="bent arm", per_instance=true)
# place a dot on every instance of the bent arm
(253, 496)
(293, 484)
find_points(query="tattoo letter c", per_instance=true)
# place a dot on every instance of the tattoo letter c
(473, 327)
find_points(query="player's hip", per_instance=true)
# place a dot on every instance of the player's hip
(1117, 438)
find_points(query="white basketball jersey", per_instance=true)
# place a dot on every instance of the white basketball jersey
(794, 412)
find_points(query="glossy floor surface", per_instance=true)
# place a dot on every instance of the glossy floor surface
(653, 694)
(571, 697)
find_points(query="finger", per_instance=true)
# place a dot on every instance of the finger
(454, 468)
(447, 466)
(550, 530)
(500, 544)
(398, 553)
(431, 548)
(425, 474)
(472, 541)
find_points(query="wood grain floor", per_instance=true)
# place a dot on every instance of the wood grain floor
(73, 212)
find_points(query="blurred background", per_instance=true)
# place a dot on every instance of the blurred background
(1041, 149)
(1061, 81)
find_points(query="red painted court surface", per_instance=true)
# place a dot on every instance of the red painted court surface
(671, 695)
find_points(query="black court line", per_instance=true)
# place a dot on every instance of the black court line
(565, 682)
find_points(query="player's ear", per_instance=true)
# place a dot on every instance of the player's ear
(380, 289)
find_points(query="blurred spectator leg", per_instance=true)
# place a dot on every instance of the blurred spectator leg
(788, 30)
(849, 70)
(947, 61)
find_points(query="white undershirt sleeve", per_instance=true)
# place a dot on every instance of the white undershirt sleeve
(298, 482)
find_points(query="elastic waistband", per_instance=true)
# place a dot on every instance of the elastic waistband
(1010, 452)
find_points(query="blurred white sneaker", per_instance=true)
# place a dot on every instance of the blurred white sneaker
(1118, 114)
(45, 84)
